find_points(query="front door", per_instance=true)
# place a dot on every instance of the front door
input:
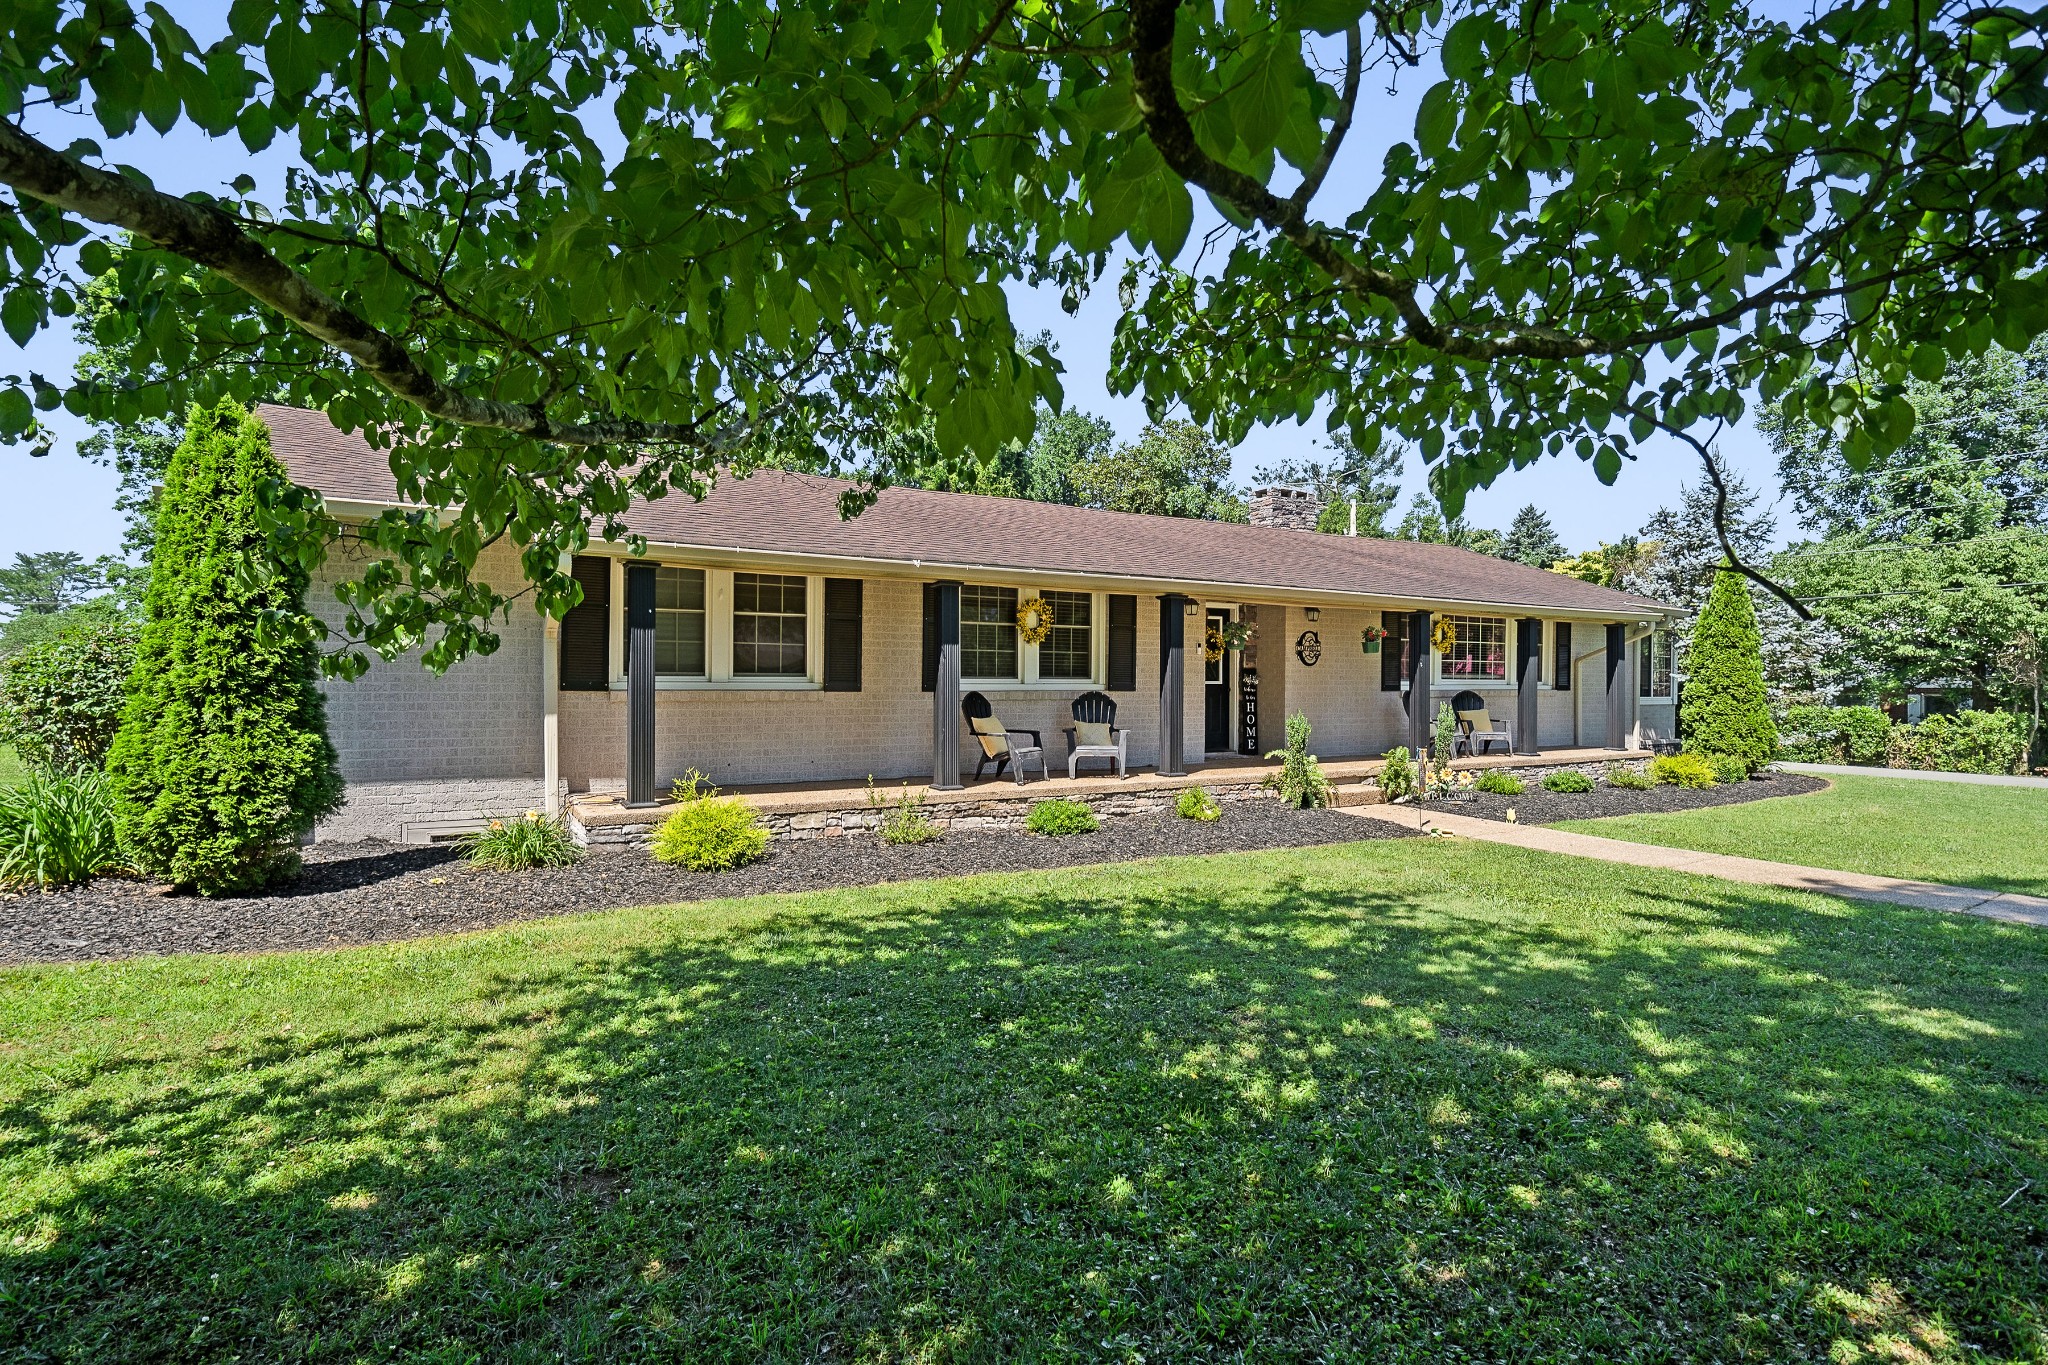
(1216, 689)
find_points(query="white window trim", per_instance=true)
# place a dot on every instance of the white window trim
(1508, 660)
(719, 675)
(1028, 679)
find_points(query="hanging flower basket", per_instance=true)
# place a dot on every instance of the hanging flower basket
(1236, 634)
(1034, 620)
(1369, 638)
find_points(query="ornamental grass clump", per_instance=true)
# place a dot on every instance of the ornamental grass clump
(1568, 781)
(57, 829)
(1300, 780)
(1195, 803)
(1627, 779)
(222, 761)
(1060, 816)
(903, 820)
(533, 840)
(1683, 770)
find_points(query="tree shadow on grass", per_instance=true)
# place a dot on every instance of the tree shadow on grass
(1292, 1115)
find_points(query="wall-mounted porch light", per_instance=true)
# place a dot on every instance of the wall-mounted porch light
(1313, 613)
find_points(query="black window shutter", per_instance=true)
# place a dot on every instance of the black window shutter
(586, 634)
(1561, 657)
(1123, 644)
(1393, 650)
(842, 634)
(931, 637)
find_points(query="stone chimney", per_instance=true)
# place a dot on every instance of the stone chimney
(1293, 509)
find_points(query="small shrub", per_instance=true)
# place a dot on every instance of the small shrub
(903, 819)
(1060, 816)
(1494, 782)
(1397, 776)
(711, 834)
(1195, 803)
(1566, 780)
(61, 700)
(56, 829)
(1728, 767)
(1446, 735)
(1966, 742)
(1300, 780)
(1627, 779)
(1683, 770)
(533, 840)
(694, 786)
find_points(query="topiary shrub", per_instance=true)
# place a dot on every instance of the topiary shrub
(1566, 780)
(1300, 780)
(222, 762)
(533, 840)
(58, 828)
(61, 700)
(1497, 783)
(1723, 710)
(711, 834)
(1627, 779)
(1060, 816)
(1195, 803)
(1397, 775)
(1683, 770)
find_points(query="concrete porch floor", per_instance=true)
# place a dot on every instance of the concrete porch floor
(1233, 770)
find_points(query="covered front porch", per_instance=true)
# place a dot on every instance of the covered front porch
(827, 809)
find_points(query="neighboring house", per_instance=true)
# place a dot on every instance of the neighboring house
(788, 645)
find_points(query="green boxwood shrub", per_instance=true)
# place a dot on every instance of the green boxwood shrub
(1723, 710)
(713, 834)
(1627, 779)
(1060, 816)
(222, 761)
(58, 828)
(1397, 775)
(1728, 768)
(61, 700)
(1195, 803)
(533, 840)
(1567, 780)
(1497, 783)
(1683, 770)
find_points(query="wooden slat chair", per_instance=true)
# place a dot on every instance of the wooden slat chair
(1094, 734)
(1000, 745)
(1477, 731)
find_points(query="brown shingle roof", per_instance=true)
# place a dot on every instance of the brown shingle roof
(779, 513)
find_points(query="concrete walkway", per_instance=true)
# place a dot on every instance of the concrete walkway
(1916, 775)
(1965, 900)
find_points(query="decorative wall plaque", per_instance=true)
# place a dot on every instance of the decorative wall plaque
(1308, 648)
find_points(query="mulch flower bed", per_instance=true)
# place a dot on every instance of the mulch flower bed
(1539, 807)
(379, 892)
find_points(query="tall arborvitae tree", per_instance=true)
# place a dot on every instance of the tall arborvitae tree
(222, 761)
(1723, 710)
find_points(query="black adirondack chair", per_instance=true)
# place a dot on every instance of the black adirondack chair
(998, 743)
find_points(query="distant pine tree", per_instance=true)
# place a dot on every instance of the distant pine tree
(1723, 710)
(1532, 540)
(222, 761)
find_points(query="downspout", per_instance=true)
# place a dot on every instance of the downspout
(550, 710)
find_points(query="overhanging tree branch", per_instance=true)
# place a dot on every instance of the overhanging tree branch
(210, 237)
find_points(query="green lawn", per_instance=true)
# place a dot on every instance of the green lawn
(1992, 837)
(12, 769)
(1404, 1100)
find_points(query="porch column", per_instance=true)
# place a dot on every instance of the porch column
(1173, 614)
(1421, 714)
(946, 691)
(640, 685)
(1618, 683)
(1529, 659)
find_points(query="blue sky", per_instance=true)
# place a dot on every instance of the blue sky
(62, 502)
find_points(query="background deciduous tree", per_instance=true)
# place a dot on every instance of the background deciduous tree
(1173, 469)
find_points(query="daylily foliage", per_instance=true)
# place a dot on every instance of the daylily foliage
(561, 253)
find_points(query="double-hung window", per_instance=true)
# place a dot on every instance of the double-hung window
(679, 635)
(1654, 667)
(988, 632)
(1069, 652)
(1479, 650)
(769, 625)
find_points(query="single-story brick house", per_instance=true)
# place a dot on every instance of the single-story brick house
(787, 645)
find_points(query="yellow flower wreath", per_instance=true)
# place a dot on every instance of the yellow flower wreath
(1034, 620)
(1443, 637)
